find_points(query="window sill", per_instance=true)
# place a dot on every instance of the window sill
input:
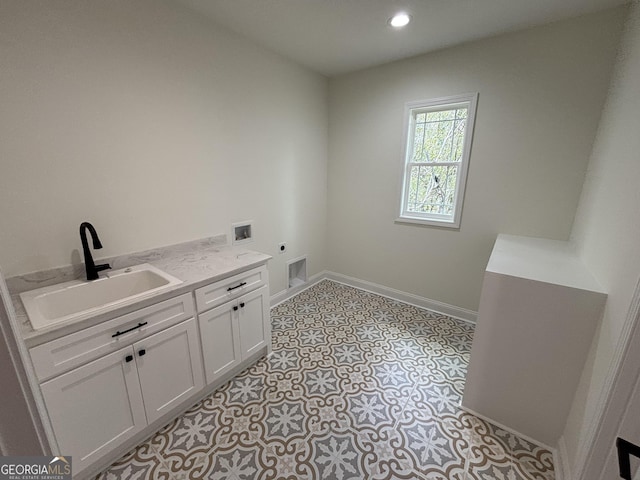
(427, 222)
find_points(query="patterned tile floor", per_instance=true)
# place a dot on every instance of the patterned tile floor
(358, 387)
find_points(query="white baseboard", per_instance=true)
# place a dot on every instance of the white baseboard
(284, 295)
(561, 466)
(422, 302)
(511, 430)
(561, 461)
(433, 305)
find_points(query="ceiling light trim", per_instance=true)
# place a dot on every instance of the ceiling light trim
(399, 20)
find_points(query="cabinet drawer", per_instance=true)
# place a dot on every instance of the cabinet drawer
(63, 354)
(230, 288)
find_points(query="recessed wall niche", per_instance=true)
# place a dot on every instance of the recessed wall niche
(242, 232)
(297, 271)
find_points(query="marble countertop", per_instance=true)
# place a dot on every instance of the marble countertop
(195, 263)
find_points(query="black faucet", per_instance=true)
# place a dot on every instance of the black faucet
(90, 266)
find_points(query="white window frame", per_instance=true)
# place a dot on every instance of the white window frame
(468, 100)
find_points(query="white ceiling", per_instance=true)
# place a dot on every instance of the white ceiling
(334, 37)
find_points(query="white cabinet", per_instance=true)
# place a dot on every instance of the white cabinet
(97, 406)
(234, 331)
(254, 322)
(170, 368)
(220, 341)
(230, 288)
(63, 354)
(109, 385)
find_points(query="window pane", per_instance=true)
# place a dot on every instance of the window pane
(432, 189)
(418, 141)
(441, 115)
(440, 141)
(439, 136)
(458, 140)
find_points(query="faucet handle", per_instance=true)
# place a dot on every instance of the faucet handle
(104, 266)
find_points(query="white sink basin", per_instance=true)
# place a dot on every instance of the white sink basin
(78, 300)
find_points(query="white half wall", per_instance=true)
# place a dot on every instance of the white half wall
(541, 92)
(158, 127)
(607, 233)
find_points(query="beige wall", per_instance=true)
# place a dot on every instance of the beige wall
(541, 94)
(158, 127)
(607, 232)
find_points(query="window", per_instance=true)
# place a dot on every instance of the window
(438, 135)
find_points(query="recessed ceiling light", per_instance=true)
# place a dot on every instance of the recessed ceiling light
(400, 20)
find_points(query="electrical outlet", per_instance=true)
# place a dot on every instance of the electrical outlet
(282, 247)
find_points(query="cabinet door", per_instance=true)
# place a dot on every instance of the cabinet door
(96, 407)
(254, 321)
(169, 367)
(220, 340)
